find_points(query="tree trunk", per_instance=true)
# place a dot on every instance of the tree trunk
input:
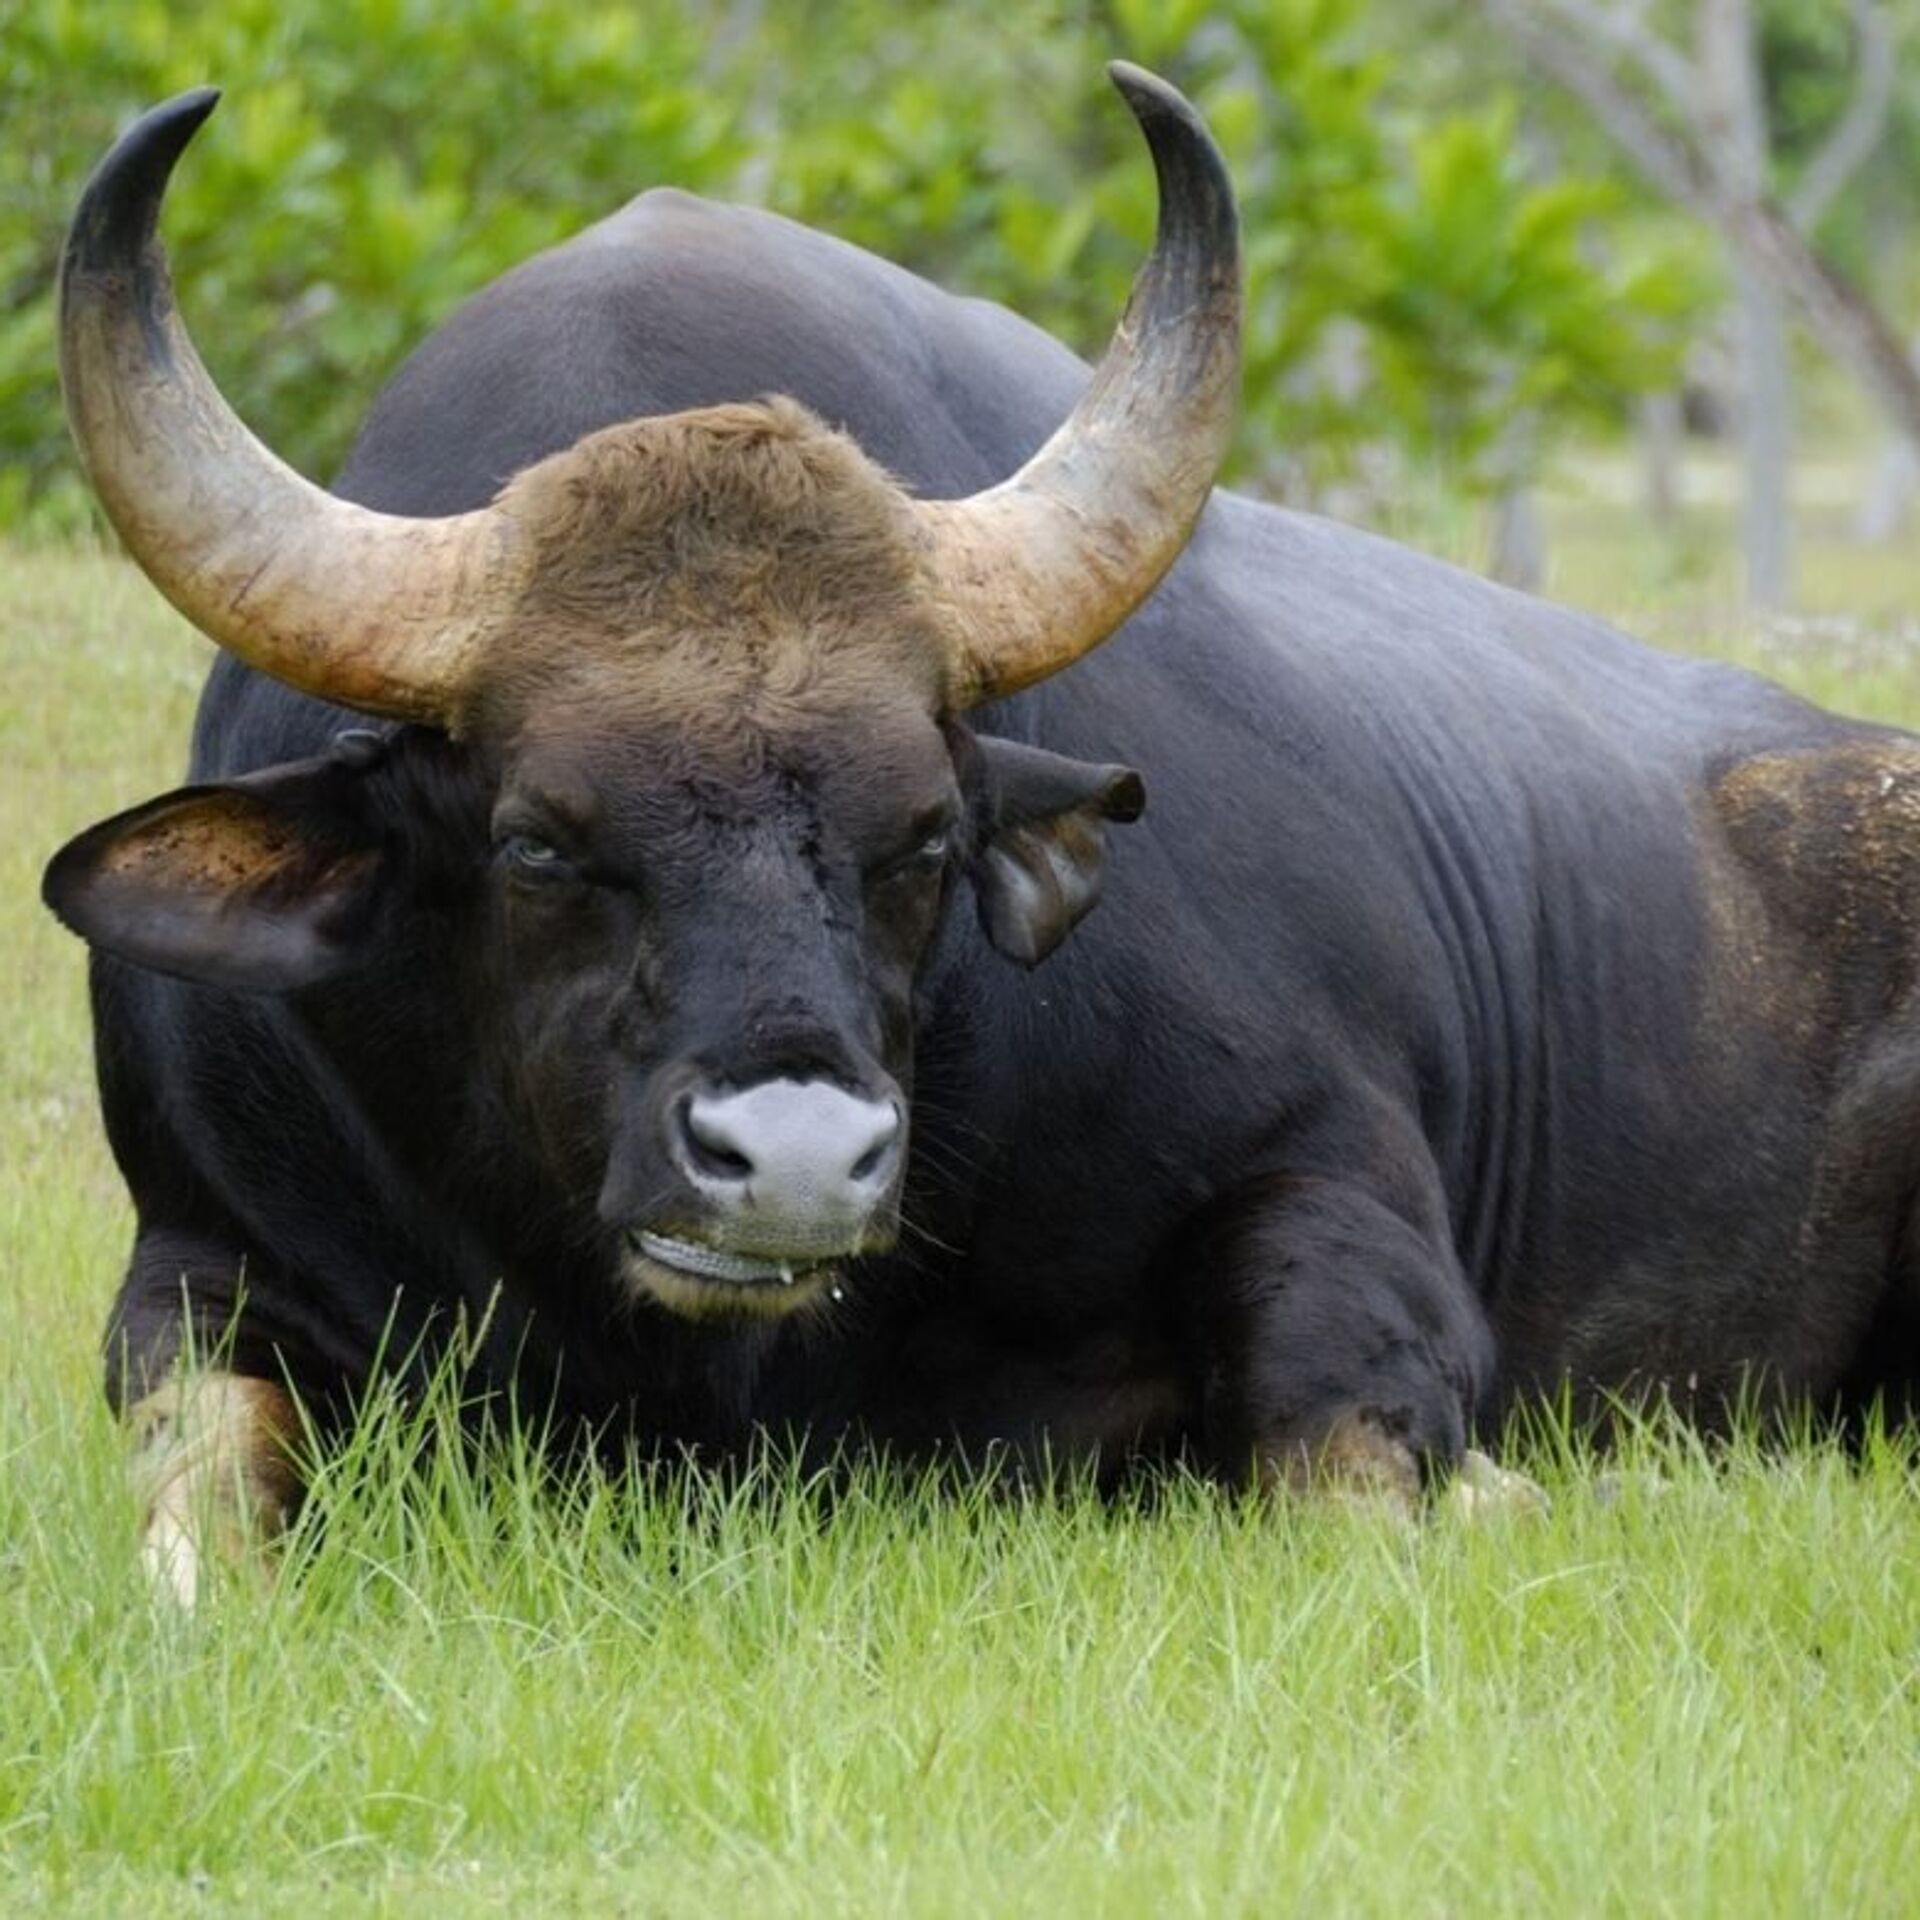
(1849, 326)
(1519, 556)
(1519, 540)
(1698, 172)
(1890, 497)
(1734, 125)
(1766, 441)
(1895, 485)
(1661, 426)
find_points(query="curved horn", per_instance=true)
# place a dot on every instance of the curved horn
(371, 610)
(1042, 568)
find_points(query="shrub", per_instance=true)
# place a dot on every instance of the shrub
(1412, 286)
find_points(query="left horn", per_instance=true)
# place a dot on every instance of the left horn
(372, 610)
(1042, 568)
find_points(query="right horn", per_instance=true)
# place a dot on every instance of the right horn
(1039, 570)
(372, 610)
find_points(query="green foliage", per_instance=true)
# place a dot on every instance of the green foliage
(1810, 57)
(373, 162)
(1410, 282)
(1413, 286)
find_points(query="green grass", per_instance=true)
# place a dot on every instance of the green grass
(1695, 1689)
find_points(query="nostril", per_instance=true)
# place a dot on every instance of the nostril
(876, 1156)
(711, 1147)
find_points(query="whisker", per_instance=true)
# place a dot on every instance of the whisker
(911, 1228)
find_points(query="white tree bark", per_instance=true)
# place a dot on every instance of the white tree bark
(1890, 495)
(1519, 556)
(1733, 128)
(1698, 132)
(1894, 489)
(1661, 427)
(1563, 38)
(1858, 131)
(1519, 540)
(1766, 440)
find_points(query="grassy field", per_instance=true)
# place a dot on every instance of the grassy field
(1694, 1688)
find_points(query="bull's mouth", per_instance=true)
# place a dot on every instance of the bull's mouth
(693, 1278)
(716, 1263)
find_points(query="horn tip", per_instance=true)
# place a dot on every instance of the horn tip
(1196, 189)
(1151, 97)
(116, 215)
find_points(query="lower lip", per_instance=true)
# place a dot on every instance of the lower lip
(717, 1267)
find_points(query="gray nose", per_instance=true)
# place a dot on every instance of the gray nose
(801, 1163)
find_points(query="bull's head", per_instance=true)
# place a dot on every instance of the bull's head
(705, 674)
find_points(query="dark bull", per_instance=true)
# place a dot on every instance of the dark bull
(1487, 1003)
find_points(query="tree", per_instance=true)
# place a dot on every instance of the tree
(1696, 127)
(1423, 301)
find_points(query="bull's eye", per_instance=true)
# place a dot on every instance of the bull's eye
(921, 861)
(523, 854)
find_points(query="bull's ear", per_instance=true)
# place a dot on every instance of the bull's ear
(271, 882)
(1040, 847)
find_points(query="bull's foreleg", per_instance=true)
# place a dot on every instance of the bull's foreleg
(213, 1473)
(1341, 1349)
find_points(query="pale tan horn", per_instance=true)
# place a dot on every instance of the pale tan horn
(1040, 569)
(375, 611)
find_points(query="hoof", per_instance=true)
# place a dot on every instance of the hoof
(1481, 1491)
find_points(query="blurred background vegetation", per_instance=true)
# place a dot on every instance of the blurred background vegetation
(1454, 273)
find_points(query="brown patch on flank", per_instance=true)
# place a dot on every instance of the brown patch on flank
(1828, 846)
(1813, 866)
(212, 1472)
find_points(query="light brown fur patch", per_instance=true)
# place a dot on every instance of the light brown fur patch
(212, 1473)
(1828, 840)
(1355, 1458)
(226, 843)
(1481, 1490)
(704, 566)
